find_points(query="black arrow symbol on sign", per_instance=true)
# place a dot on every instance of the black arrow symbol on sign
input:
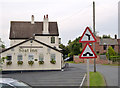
(88, 36)
(87, 53)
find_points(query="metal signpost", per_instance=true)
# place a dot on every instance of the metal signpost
(87, 52)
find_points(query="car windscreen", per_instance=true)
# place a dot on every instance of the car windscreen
(19, 84)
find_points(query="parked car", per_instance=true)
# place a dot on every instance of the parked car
(69, 59)
(12, 83)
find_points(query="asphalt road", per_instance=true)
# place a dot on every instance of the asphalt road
(110, 73)
(72, 76)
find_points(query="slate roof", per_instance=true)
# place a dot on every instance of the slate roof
(108, 41)
(25, 30)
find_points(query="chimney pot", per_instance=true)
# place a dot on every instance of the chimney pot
(45, 25)
(32, 19)
(47, 16)
(115, 36)
(44, 16)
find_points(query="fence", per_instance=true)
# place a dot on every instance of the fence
(91, 61)
(115, 58)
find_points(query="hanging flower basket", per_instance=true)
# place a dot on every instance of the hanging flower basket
(31, 62)
(41, 62)
(53, 61)
(20, 62)
(9, 62)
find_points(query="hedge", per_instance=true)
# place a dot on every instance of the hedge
(115, 58)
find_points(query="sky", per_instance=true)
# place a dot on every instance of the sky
(72, 16)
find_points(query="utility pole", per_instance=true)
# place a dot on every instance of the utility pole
(94, 34)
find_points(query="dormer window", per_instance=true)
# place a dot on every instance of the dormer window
(52, 39)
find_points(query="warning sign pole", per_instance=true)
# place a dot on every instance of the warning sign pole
(88, 73)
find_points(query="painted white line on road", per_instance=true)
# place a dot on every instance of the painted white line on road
(83, 80)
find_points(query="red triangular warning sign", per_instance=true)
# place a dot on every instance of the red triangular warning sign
(87, 36)
(88, 52)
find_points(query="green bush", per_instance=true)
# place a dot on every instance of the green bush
(9, 62)
(103, 54)
(110, 52)
(115, 58)
(41, 62)
(70, 54)
(20, 62)
(3, 58)
(31, 62)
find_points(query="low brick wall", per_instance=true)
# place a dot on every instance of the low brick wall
(91, 61)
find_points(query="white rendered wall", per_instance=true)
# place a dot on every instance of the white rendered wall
(47, 40)
(46, 66)
(16, 41)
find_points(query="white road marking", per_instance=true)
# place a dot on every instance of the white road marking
(83, 80)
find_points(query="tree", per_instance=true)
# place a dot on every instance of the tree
(106, 36)
(110, 52)
(69, 42)
(74, 47)
(64, 49)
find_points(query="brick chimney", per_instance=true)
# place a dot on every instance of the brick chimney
(45, 24)
(32, 19)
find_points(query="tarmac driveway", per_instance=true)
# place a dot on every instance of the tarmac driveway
(72, 76)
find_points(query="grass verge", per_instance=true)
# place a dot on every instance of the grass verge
(72, 62)
(112, 64)
(96, 79)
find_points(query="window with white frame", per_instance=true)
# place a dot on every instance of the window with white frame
(30, 57)
(41, 57)
(53, 57)
(52, 39)
(19, 57)
(9, 57)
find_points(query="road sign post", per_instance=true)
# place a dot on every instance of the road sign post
(87, 52)
(88, 73)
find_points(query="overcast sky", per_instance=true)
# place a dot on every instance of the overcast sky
(73, 16)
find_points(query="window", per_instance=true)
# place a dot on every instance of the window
(104, 47)
(53, 57)
(113, 46)
(52, 39)
(41, 57)
(9, 58)
(59, 40)
(30, 57)
(19, 57)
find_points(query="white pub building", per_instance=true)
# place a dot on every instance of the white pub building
(33, 46)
